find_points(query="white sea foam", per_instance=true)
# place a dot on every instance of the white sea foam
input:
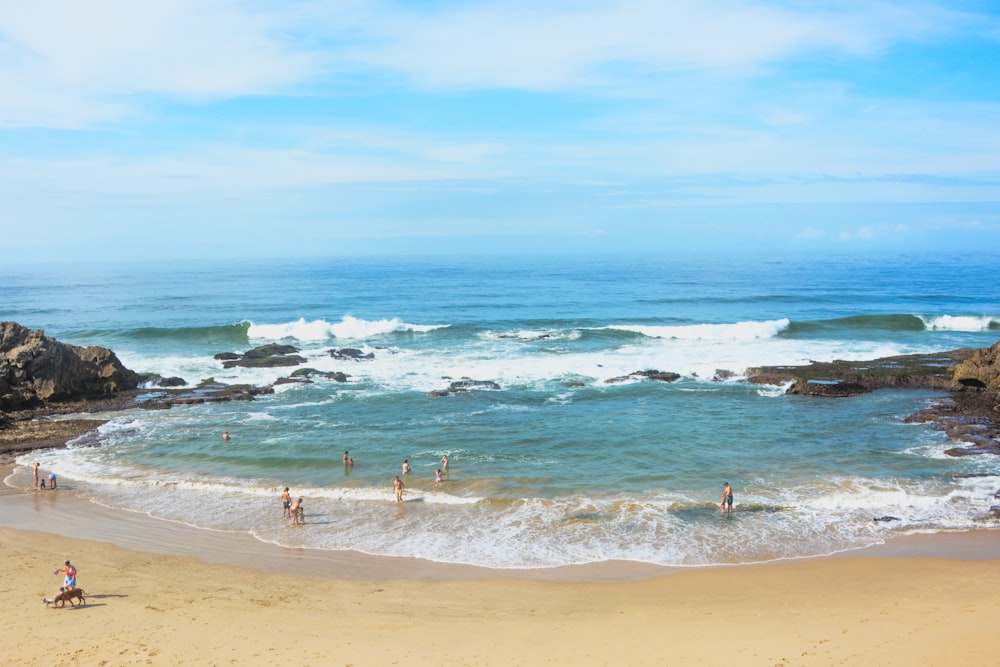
(711, 332)
(960, 322)
(349, 328)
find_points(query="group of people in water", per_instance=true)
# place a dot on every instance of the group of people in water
(295, 511)
(397, 483)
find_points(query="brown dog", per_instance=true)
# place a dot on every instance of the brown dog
(69, 594)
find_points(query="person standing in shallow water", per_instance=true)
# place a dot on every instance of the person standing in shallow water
(286, 503)
(727, 499)
(298, 512)
(397, 486)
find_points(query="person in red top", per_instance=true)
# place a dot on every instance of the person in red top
(69, 579)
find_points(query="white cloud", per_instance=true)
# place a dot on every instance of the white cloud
(72, 61)
(545, 46)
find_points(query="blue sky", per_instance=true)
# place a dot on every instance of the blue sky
(195, 129)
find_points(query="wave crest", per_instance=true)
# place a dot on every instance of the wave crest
(737, 331)
(961, 323)
(349, 327)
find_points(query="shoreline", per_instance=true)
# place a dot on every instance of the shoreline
(67, 515)
(162, 593)
(153, 609)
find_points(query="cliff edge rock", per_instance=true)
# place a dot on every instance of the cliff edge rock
(36, 370)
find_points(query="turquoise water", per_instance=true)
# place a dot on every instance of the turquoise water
(557, 466)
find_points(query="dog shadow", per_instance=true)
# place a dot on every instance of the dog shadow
(86, 606)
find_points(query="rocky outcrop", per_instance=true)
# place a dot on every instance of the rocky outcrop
(981, 370)
(831, 388)
(36, 370)
(271, 355)
(850, 378)
(464, 385)
(970, 414)
(308, 373)
(657, 376)
(352, 353)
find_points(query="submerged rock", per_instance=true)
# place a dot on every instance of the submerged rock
(465, 385)
(655, 375)
(352, 353)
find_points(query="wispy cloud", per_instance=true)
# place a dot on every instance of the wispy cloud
(573, 112)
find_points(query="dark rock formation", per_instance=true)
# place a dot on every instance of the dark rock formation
(41, 378)
(308, 373)
(156, 380)
(464, 385)
(830, 388)
(271, 355)
(278, 361)
(972, 418)
(36, 370)
(208, 391)
(269, 350)
(351, 353)
(913, 371)
(970, 414)
(658, 376)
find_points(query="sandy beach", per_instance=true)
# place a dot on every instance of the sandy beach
(178, 595)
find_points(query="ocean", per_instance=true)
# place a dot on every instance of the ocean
(554, 465)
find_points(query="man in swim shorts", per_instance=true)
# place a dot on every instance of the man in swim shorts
(286, 503)
(727, 499)
(397, 486)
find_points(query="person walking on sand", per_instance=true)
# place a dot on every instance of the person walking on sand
(286, 503)
(36, 475)
(406, 466)
(397, 486)
(69, 572)
(727, 499)
(297, 511)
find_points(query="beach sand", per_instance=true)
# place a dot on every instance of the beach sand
(181, 596)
